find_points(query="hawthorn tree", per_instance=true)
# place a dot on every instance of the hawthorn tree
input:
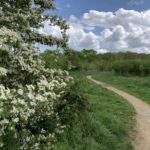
(29, 93)
(25, 16)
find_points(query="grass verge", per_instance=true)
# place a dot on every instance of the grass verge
(135, 85)
(106, 125)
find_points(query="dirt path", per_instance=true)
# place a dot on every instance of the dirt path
(142, 141)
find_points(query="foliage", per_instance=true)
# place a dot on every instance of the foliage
(105, 124)
(26, 16)
(55, 59)
(133, 67)
(29, 93)
(76, 104)
(89, 60)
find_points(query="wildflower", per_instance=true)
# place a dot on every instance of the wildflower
(3, 71)
(16, 120)
(20, 92)
(4, 121)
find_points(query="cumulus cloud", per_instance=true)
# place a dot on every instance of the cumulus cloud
(123, 30)
(120, 17)
(50, 30)
(114, 40)
(79, 39)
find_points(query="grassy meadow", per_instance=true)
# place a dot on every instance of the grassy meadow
(107, 124)
(136, 85)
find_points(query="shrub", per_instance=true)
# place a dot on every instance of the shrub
(133, 67)
(75, 104)
(28, 95)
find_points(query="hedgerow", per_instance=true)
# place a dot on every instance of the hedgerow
(30, 93)
(132, 67)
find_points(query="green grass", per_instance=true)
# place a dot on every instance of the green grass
(138, 86)
(107, 125)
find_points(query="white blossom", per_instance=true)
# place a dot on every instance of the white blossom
(30, 93)
(20, 92)
(15, 120)
(3, 71)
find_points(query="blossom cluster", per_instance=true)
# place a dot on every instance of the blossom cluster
(28, 95)
(27, 107)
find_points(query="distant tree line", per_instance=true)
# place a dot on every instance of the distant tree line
(124, 63)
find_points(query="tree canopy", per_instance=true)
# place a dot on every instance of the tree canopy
(29, 93)
(26, 16)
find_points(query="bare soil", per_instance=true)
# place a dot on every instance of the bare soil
(142, 140)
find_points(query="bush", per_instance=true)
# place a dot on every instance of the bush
(75, 104)
(29, 94)
(133, 67)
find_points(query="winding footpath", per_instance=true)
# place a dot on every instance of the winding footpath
(142, 141)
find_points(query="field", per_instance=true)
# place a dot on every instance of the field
(136, 85)
(107, 124)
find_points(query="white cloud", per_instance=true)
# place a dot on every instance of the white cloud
(123, 30)
(120, 17)
(114, 40)
(50, 30)
(89, 28)
(79, 39)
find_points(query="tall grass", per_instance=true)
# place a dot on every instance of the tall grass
(105, 125)
(136, 85)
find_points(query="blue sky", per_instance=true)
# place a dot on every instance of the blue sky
(105, 25)
(78, 7)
